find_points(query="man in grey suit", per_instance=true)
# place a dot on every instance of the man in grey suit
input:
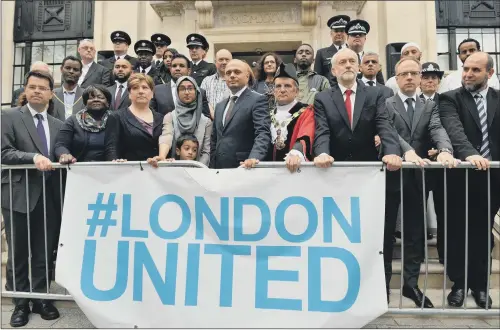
(68, 98)
(119, 93)
(92, 73)
(419, 129)
(28, 137)
(241, 133)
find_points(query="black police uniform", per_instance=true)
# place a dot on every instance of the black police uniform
(202, 69)
(110, 62)
(322, 63)
(145, 46)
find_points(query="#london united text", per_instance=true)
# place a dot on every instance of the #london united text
(229, 228)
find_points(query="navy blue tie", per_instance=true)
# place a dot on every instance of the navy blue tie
(41, 133)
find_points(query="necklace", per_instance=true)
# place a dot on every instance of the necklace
(280, 141)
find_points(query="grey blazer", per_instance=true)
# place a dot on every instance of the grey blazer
(97, 74)
(58, 99)
(424, 132)
(20, 143)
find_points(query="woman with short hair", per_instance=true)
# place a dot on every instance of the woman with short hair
(133, 132)
(81, 138)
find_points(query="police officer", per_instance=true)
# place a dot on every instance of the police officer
(322, 64)
(161, 42)
(356, 37)
(121, 41)
(145, 51)
(198, 47)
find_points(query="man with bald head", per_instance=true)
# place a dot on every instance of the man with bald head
(92, 73)
(36, 66)
(471, 116)
(215, 85)
(241, 134)
(122, 70)
(349, 115)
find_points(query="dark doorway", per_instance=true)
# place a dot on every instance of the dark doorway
(253, 58)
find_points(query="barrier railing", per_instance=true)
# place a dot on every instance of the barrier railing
(14, 291)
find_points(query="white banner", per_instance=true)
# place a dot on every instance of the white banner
(199, 248)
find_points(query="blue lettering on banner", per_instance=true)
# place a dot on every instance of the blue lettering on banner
(132, 249)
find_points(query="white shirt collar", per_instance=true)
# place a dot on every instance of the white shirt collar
(198, 62)
(353, 88)
(87, 66)
(429, 97)
(484, 92)
(34, 112)
(69, 91)
(286, 107)
(123, 84)
(366, 80)
(404, 97)
(238, 94)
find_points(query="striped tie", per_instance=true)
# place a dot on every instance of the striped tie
(485, 148)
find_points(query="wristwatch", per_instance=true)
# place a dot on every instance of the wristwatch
(445, 150)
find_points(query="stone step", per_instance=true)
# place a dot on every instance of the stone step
(431, 249)
(435, 275)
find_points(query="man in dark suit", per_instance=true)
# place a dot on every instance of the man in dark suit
(165, 95)
(241, 133)
(28, 137)
(92, 73)
(198, 47)
(471, 116)
(419, 129)
(145, 50)
(323, 61)
(68, 98)
(429, 84)
(121, 41)
(119, 92)
(349, 115)
(36, 66)
(356, 37)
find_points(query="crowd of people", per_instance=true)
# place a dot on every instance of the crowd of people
(163, 106)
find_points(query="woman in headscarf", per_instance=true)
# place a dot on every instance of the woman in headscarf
(81, 138)
(186, 118)
(163, 76)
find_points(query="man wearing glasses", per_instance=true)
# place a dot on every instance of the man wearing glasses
(420, 130)
(322, 64)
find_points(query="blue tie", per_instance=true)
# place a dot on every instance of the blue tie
(41, 133)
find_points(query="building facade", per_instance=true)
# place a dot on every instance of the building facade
(50, 30)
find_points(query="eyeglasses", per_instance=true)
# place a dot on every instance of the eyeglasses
(41, 88)
(189, 89)
(405, 74)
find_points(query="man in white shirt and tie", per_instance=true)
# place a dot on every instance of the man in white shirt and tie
(92, 73)
(119, 93)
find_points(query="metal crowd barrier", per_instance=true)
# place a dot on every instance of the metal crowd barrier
(400, 309)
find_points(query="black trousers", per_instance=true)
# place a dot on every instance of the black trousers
(42, 243)
(478, 229)
(437, 187)
(412, 228)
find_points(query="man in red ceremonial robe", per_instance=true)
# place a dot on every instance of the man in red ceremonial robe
(292, 122)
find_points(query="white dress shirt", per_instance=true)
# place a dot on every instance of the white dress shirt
(85, 70)
(454, 81)
(69, 98)
(238, 94)
(484, 92)
(197, 62)
(405, 97)
(282, 114)
(429, 97)
(45, 124)
(118, 87)
(353, 97)
(147, 69)
(173, 85)
(366, 80)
